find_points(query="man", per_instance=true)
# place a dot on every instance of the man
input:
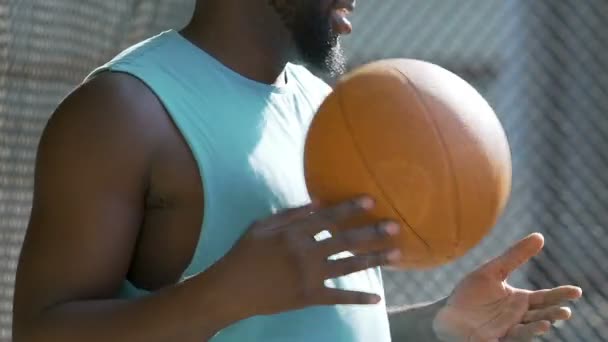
(170, 204)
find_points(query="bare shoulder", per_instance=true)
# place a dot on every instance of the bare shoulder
(113, 120)
(90, 179)
(111, 103)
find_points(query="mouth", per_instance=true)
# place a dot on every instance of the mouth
(339, 16)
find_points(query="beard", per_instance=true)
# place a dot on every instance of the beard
(317, 44)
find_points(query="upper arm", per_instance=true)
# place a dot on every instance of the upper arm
(90, 180)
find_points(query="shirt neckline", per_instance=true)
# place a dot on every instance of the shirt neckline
(260, 86)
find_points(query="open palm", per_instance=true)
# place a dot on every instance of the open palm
(485, 308)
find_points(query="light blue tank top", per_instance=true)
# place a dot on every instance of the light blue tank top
(247, 139)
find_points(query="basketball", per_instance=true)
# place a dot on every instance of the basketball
(424, 144)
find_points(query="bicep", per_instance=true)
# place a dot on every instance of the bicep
(87, 205)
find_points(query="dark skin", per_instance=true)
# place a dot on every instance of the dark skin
(143, 209)
(118, 196)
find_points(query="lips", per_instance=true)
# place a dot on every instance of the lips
(339, 16)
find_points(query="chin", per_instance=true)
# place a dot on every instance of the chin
(335, 64)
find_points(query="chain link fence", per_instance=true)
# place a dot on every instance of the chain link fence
(542, 64)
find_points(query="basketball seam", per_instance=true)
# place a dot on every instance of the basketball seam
(371, 174)
(455, 192)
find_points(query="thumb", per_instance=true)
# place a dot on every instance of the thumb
(515, 257)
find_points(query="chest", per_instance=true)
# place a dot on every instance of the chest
(274, 169)
(250, 172)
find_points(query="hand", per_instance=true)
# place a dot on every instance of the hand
(484, 308)
(278, 265)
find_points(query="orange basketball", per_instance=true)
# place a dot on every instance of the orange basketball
(424, 144)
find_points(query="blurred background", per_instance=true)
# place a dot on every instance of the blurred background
(542, 64)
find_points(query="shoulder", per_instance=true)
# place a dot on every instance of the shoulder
(150, 52)
(109, 97)
(104, 115)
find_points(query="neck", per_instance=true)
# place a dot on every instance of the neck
(247, 37)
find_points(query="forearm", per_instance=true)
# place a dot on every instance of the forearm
(185, 312)
(414, 323)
